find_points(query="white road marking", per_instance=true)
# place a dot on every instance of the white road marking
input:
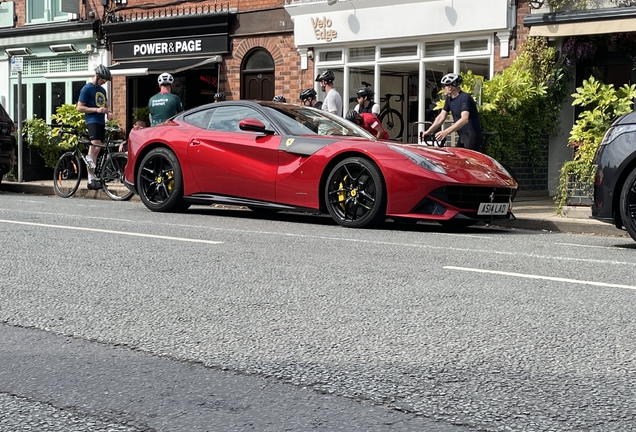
(463, 235)
(352, 240)
(531, 276)
(112, 232)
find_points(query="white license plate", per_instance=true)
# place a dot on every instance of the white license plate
(493, 209)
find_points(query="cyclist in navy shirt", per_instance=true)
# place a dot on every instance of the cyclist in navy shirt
(92, 102)
(465, 115)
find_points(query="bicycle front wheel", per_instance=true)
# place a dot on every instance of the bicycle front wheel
(393, 123)
(67, 174)
(113, 177)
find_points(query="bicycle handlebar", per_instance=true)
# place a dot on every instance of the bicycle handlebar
(400, 97)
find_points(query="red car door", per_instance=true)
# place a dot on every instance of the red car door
(231, 162)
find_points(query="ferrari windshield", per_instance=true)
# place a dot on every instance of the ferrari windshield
(300, 120)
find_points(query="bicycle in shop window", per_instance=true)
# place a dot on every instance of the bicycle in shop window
(391, 119)
(109, 167)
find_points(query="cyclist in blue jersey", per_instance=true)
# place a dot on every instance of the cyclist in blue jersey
(92, 102)
(465, 115)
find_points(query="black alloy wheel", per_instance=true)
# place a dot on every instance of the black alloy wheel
(160, 182)
(628, 204)
(355, 193)
(112, 177)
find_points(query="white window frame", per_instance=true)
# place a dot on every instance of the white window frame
(52, 12)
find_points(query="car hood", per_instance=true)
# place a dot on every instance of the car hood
(460, 162)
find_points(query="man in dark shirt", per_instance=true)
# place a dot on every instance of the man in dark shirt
(465, 115)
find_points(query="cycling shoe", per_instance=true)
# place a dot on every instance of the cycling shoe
(94, 185)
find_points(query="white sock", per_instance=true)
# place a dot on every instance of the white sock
(91, 177)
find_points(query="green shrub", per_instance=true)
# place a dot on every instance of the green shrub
(603, 104)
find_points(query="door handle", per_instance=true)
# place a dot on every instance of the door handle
(195, 142)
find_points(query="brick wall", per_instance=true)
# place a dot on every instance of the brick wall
(289, 78)
(517, 38)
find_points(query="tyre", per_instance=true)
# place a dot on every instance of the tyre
(113, 177)
(67, 174)
(628, 204)
(160, 182)
(393, 123)
(355, 193)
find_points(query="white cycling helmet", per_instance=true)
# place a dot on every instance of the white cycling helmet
(165, 79)
(452, 79)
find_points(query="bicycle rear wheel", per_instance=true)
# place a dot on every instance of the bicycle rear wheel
(67, 174)
(393, 123)
(113, 177)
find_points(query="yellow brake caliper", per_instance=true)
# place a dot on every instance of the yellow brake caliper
(342, 195)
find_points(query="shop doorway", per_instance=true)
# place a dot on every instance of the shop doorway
(257, 75)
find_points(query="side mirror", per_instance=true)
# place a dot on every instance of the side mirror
(254, 125)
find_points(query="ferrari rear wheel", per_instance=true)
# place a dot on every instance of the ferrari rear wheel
(355, 193)
(160, 182)
(628, 204)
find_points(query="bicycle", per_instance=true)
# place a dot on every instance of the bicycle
(391, 119)
(109, 167)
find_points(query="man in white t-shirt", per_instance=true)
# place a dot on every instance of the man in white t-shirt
(333, 100)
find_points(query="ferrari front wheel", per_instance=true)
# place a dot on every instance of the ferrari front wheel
(160, 182)
(355, 193)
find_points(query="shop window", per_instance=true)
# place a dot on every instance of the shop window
(330, 56)
(479, 67)
(398, 51)
(58, 95)
(39, 100)
(41, 11)
(76, 88)
(362, 54)
(439, 49)
(472, 46)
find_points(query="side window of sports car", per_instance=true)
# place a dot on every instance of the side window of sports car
(227, 118)
(200, 118)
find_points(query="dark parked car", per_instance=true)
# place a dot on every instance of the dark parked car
(7, 143)
(615, 182)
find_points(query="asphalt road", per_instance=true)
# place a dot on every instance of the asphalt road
(116, 318)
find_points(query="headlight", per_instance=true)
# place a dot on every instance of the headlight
(419, 159)
(613, 132)
(498, 165)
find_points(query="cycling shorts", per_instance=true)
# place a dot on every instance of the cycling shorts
(96, 132)
(470, 140)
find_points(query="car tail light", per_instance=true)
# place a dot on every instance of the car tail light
(598, 177)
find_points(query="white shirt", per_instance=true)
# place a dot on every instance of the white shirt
(333, 102)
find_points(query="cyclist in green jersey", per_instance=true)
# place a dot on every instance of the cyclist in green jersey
(164, 104)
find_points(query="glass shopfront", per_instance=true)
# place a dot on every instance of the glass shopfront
(395, 73)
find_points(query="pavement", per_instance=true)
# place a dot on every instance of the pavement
(533, 210)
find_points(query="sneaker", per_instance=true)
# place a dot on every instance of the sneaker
(94, 185)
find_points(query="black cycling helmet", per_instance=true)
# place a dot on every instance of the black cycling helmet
(308, 93)
(452, 79)
(103, 72)
(365, 92)
(220, 96)
(326, 76)
(352, 115)
(279, 98)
